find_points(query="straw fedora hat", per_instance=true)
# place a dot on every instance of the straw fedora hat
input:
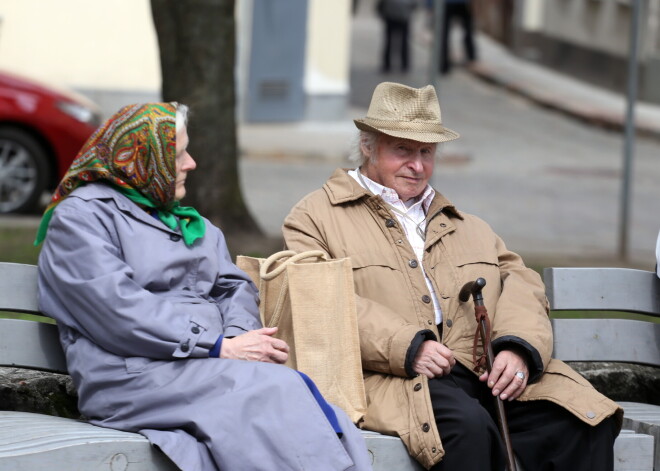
(410, 113)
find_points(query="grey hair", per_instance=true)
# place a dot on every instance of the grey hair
(368, 139)
(181, 116)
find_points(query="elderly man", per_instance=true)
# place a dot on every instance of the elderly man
(412, 250)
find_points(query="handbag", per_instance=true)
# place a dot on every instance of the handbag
(311, 299)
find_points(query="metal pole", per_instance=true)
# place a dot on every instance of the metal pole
(434, 62)
(629, 136)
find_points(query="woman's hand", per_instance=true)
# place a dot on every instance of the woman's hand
(505, 379)
(256, 345)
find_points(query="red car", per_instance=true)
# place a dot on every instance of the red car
(41, 131)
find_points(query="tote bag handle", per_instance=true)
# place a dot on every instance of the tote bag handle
(291, 256)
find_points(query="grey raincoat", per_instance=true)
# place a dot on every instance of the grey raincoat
(138, 312)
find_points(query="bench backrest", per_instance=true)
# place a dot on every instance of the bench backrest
(24, 343)
(589, 289)
(605, 289)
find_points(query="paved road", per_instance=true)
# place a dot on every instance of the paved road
(547, 183)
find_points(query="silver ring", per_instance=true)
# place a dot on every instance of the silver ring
(520, 375)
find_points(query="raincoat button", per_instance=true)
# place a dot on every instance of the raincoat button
(591, 415)
(390, 223)
(443, 225)
(449, 323)
(175, 237)
(418, 386)
(413, 263)
(185, 346)
(426, 427)
(426, 298)
(430, 322)
(195, 330)
(434, 450)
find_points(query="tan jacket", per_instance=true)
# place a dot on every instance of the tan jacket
(393, 302)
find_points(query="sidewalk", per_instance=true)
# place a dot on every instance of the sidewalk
(497, 66)
(560, 92)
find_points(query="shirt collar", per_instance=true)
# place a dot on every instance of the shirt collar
(389, 195)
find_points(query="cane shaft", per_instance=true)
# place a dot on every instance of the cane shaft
(501, 416)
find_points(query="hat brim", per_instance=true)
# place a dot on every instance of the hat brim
(442, 134)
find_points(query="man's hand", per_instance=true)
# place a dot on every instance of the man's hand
(503, 380)
(256, 345)
(433, 359)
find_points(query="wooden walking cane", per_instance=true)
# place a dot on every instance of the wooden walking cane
(483, 329)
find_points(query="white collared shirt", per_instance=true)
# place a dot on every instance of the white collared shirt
(410, 215)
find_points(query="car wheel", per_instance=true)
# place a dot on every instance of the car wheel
(24, 171)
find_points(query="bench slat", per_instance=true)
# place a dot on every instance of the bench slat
(18, 288)
(621, 340)
(603, 289)
(32, 345)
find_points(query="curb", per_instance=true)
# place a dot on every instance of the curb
(592, 115)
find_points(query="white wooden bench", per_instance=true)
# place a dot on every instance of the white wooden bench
(35, 441)
(613, 340)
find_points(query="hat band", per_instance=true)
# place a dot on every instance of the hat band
(390, 125)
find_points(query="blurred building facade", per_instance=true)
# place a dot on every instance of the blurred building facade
(588, 39)
(109, 52)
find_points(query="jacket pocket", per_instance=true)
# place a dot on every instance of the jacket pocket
(473, 265)
(135, 365)
(564, 386)
(372, 270)
(374, 258)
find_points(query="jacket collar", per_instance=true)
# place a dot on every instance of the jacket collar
(100, 191)
(341, 188)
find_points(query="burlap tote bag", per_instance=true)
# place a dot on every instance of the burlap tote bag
(312, 302)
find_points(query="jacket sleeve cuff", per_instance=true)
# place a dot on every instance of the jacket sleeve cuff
(522, 347)
(399, 346)
(215, 351)
(417, 341)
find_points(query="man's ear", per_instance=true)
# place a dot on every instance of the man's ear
(367, 146)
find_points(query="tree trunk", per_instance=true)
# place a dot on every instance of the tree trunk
(197, 53)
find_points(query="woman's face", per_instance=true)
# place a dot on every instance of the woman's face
(184, 163)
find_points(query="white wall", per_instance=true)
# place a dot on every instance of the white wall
(81, 43)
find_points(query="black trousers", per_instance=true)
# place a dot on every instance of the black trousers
(545, 436)
(462, 12)
(396, 40)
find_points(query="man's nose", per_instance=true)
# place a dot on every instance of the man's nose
(415, 163)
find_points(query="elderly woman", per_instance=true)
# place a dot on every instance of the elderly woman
(161, 331)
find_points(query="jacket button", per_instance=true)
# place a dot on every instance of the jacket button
(591, 415)
(430, 322)
(426, 298)
(185, 346)
(443, 225)
(413, 263)
(175, 237)
(418, 386)
(449, 323)
(434, 449)
(390, 223)
(426, 427)
(195, 330)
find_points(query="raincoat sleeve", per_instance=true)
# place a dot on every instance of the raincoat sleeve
(385, 336)
(235, 295)
(522, 323)
(85, 284)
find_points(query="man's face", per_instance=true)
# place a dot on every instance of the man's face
(401, 164)
(184, 163)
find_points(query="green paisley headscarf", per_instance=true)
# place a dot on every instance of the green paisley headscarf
(135, 152)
